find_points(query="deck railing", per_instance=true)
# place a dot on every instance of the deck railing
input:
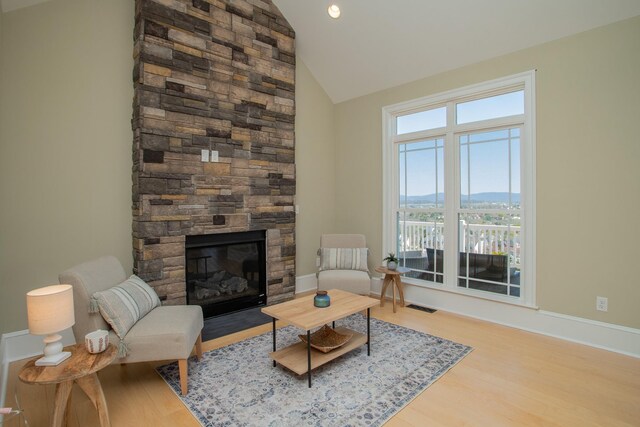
(473, 238)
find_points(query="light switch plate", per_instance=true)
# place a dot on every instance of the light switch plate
(214, 156)
(205, 155)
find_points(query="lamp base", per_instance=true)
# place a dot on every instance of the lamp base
(53, 354)
(54, 359)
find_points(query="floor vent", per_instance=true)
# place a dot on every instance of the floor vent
(427, 309)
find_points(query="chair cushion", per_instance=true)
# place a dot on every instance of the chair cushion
(166, 333)
(123, 305)
(343, 259)
(354, 281)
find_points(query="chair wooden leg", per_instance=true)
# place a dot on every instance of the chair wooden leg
(199, 346)
(184, 375)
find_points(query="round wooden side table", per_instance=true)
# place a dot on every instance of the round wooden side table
(80, 368)
(392, 277)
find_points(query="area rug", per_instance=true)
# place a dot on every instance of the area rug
(237, 385)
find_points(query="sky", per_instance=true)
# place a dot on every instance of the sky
(484, 157)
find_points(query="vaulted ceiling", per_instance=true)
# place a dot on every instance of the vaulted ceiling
(378, 44)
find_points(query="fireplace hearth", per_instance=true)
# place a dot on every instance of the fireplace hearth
(226, 272)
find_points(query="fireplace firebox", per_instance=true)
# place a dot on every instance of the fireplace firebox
(226, 272)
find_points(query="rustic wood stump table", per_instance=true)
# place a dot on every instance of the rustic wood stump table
(392, 277)
(81, 368)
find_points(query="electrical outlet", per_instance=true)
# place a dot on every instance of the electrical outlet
(602, 303)
(205, 155)
(214, 156)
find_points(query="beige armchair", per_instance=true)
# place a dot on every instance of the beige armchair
(165, 333)
(333, 275)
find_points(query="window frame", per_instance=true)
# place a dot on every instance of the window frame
(522, 81)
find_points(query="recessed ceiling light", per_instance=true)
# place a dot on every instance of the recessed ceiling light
(334, 11)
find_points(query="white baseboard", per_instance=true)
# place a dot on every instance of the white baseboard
(306, 283)
(607, 336)
(21, 345)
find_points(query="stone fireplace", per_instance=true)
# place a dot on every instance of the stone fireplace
(226, 272)
(213, 148)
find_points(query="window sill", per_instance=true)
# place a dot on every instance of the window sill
(517, 301)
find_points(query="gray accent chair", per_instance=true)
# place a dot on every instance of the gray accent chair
(355, 281)
(165, 333)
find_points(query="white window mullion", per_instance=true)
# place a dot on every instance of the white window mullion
(390, 181)
(451, 200)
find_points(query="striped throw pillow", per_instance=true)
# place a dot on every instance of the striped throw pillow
(123, 305)
(343, 259)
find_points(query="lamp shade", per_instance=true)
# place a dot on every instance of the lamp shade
(50, 309)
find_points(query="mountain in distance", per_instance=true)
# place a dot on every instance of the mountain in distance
(490, 197)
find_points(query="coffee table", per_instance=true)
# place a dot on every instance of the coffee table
(301, 313)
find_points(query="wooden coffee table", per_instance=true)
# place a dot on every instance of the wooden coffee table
(301, 312)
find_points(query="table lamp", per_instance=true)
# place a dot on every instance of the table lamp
(49, 311)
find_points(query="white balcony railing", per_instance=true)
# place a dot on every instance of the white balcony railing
(475, 238)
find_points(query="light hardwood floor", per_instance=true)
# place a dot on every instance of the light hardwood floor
(512, 378)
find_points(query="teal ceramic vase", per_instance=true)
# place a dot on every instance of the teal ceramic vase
(322, 299)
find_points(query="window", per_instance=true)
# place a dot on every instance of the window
(489, 213)
(493, 107)
(420, 213)
(459, 189)
(423, 120)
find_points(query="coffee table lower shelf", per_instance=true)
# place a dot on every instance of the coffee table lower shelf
(294, 357)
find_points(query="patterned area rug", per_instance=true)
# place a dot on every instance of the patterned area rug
(238, 386)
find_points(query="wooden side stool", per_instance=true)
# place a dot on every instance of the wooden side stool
(392, 277)
(81, 368)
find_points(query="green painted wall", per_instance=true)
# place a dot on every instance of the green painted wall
(65, 143)
(315, 168)
(588, 179)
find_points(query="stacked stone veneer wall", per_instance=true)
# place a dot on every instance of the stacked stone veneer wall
(215, 75)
